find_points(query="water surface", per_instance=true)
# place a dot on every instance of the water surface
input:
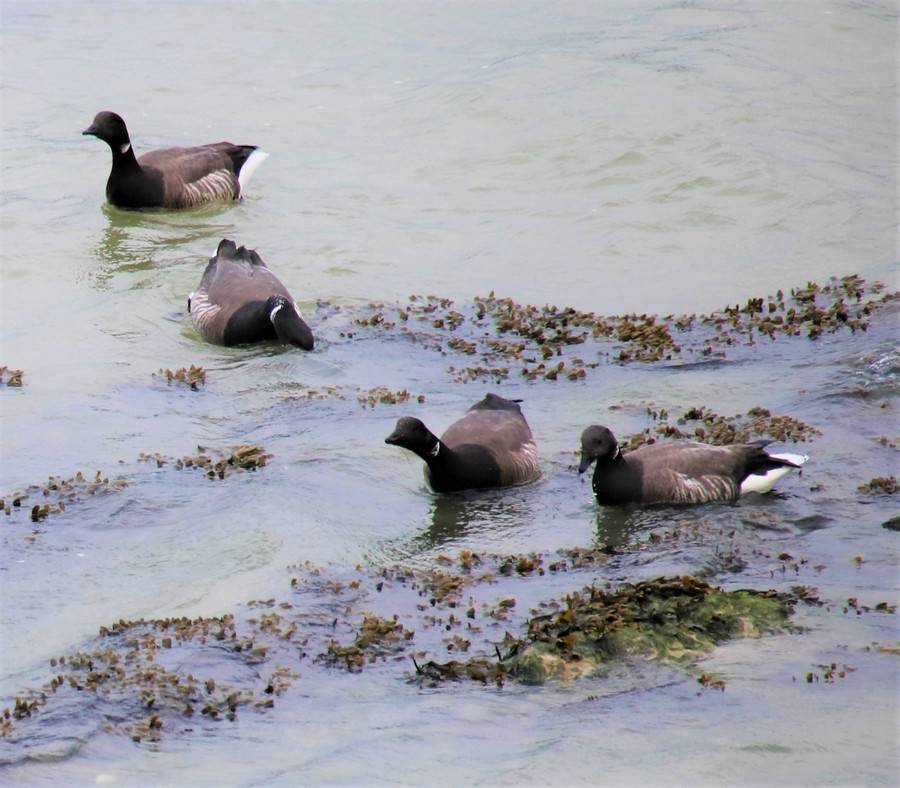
(640, 157)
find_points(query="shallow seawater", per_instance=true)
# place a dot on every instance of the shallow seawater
(643, 159)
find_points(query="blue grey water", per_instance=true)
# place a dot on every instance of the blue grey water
(661, 157)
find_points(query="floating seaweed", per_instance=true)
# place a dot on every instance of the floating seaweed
(857, 607)
(179, 674)
(711, 681)
(192, 377)
(58, 492)
(503, 338)
(215, 463)
(704, 425)
(219, 463)
(128, 667)
(376, 638)
(829, 673)
(11, 377)
(385, 396)
(881, 485)
(367, 398)
(480, 669)
(311, 394)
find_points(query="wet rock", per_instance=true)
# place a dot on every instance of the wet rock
(670, 619)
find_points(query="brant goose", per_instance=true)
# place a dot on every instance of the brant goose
(491, 446)
(172, 177)
(240, 300)
(679, 471)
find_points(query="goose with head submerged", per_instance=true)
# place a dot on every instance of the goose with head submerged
(240, 300)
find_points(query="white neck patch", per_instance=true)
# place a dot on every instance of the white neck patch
(435, 450)
(618, 452)
(125, 148)
(275, 312)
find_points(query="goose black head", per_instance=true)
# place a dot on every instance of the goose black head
(597, 443)
(412, 434)
(110, 128)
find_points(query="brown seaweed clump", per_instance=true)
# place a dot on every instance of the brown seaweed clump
(711, 427)
(135, 667)
(310, 394)
(58, 492)
(881, 485)
(500, 338)
(376, 639)
(11, 377)
(192, 377)
(367, 398)
(216, 463)
(758, 421)
(386, 396)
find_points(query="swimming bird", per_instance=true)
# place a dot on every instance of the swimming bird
(491, 446)
(172, 177)
(679, 472)
(240, 300)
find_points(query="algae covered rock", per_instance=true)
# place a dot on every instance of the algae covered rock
(151, 677)
(669, 619)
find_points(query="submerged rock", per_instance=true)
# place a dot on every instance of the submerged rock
(147, 678)
(669, 619)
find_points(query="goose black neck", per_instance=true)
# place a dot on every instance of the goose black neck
(462, 467)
